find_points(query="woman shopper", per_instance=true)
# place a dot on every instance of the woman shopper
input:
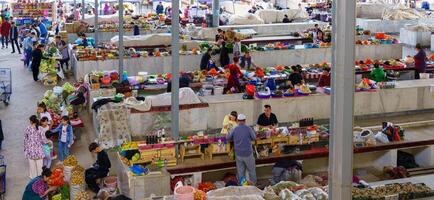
(33, 147)
(419, 61)
(36, 60)
(37, 188)
(224, 55)
(63, 48)
(234, 85)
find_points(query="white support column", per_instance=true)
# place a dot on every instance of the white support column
(215, 13)
(175, 69)
(83, 9)
(75, 8)
(343, 57)
(96, 22)
(121, 39)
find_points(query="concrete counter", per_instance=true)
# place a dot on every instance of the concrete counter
(408, 96)
(155, 65)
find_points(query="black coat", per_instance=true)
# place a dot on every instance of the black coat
(224, 56)
(1, 131)
(13, 33)
(36, 58)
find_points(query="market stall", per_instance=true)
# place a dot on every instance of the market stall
(389, 26)
(155, 65)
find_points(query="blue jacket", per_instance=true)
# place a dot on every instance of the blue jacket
(43, 29)
(69, 133)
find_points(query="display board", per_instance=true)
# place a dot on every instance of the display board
(32, 10)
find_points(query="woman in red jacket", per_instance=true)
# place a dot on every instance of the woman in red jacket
(4, 30)
(234, 77)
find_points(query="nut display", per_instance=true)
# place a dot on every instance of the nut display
(82, 195)
(70, 161)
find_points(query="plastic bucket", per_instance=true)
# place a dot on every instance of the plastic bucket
(184, 193)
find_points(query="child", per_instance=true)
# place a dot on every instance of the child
(43, 112)
(43, 125)
(48, 148)
(66, 137)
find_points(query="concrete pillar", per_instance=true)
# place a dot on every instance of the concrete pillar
(215, 13)
(342, 116)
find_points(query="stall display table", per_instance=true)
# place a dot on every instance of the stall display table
(432, 42)
(107, 36)
(281, 39)
(263, 29)
(407, 96)
(141, 187)
(388, 26)
(158, 65)
(315, 159)
(412, 38)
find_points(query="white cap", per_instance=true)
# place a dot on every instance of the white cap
(241, 117)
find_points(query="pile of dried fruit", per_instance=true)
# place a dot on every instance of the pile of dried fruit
(82, 195)
(77, 175)
(206, 186)
(70, 161)
(199, 195)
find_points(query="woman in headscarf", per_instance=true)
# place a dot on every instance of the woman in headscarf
(235, 74)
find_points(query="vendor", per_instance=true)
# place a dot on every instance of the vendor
(295, 77)
(267, 119)
(324, 79)
(38, 188)
(242, 136)
(160, 8)
(234, 85)
(84, 41)
(286, 170)
(286, 19)
(378, 74)
(229, 122)
(224, 55)
(184, 81)
(99, 169)
(204, 61)
(419, 61)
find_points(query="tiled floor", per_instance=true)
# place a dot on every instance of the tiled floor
(26, 93)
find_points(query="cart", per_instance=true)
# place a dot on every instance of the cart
(5, 85)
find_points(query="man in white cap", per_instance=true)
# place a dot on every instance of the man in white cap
(242, 136)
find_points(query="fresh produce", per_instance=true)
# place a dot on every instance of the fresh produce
(136, 157)
(70, 161)
(82, 195)
(304, 89)
(56, 178)
(206, 186)
(77, 175)
(199, 195)
(130, 146)
(68, 88)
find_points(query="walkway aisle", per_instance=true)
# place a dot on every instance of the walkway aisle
(25, 94)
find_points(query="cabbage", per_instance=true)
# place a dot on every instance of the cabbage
(68, 88)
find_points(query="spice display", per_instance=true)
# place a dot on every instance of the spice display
(70, 161)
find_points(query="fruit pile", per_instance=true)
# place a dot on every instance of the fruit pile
(199, 195)
(82, 195)
(70, 161)
(56, 178)
(130, 146)
(206, 186)
(77, 175)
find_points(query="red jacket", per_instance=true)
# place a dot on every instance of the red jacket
(5, 28)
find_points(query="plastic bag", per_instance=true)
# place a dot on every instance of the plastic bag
(288, 195)
(381, 137)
